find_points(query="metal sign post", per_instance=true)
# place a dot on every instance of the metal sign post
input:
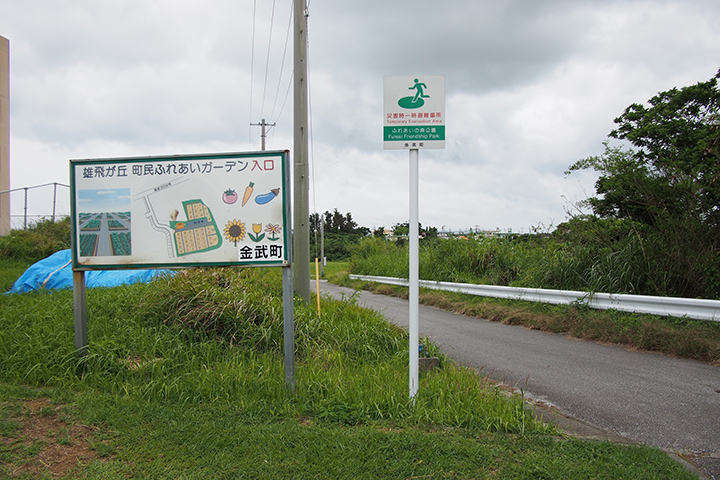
(80, 311)
(414, 118)
(414, 274)
(288, 295)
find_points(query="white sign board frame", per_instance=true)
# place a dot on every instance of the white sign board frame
(414, 112)
(222, 209)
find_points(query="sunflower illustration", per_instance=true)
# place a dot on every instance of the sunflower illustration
(234, 231)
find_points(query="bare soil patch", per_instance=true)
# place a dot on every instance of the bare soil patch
(44, 440)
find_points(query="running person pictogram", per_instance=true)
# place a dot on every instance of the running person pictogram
(417, 100)
(419, 87)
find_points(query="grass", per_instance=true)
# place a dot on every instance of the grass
(679, 337)
(139, 439)
(184, 379)
(11, 271)
(332, 270)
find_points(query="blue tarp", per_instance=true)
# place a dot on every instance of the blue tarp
(55, 272)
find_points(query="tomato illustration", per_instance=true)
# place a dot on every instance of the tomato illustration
(230, 196)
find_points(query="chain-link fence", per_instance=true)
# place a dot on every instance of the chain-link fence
(31, 204)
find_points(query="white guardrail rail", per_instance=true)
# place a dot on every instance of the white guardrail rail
(698, 309)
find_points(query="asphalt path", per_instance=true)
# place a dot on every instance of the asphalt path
(649, 398)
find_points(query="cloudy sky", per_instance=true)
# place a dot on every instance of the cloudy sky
(531, 87)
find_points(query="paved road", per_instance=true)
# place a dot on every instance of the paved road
(670, 403)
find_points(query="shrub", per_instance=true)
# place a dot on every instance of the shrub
(37, 242)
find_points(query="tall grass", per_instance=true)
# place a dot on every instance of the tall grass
(215, 337)
(184, 378)
(627, 263)
(40, 240)
(489, 261)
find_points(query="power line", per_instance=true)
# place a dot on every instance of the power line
(252, 69)
(287, 94)
(282, 64)
(269, 55)
(267, 60)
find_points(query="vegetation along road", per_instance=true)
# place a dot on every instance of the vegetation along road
(647, 397)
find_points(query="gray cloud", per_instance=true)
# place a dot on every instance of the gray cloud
(530, 88)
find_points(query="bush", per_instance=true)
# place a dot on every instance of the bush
(377, 256)
(37, 242)
(221, 303)
(623, 256)
(585, 254)
(495, 261)
(337, 244)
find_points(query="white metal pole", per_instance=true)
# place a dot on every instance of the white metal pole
(414, 274)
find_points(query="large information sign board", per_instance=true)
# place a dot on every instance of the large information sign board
(414, 112)
(181, 210)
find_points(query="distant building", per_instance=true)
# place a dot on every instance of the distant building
(4, 135)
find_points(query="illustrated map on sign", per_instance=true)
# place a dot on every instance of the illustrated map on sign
(198, 233)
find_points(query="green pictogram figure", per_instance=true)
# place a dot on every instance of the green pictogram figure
(419, 86)
(417, 100)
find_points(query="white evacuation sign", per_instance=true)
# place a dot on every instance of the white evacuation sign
(414, 112)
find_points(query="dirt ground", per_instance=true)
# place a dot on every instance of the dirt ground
(41, 440)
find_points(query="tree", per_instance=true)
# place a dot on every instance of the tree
(431, 232)
(314, 222)
(401, 229)
(341, 231)
(668, 183)
(674, 168)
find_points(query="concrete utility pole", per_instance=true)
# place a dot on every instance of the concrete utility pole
(301, 183)
(5, 223)
(262, 126)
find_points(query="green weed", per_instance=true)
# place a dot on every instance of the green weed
(541, 263)
(40, 240)
(184, 378)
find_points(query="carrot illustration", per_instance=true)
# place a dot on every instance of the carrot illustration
(248, 193)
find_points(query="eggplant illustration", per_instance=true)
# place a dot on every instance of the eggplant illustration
(266, 197)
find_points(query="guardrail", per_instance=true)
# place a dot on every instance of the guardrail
(698, 309)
